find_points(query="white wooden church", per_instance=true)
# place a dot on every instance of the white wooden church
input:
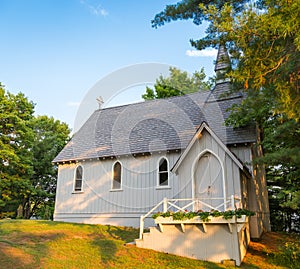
(167, 154)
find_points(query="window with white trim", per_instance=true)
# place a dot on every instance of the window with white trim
(163, 172)
(117, 176)
(78, 179)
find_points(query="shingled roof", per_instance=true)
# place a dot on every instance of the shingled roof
(223, 60)
(152, 126)
(158, 125)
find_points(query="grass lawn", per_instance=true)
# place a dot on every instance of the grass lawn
(45, 244)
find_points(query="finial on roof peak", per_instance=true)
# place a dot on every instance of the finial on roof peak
(100, 101)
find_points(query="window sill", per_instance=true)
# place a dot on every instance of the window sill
(163, 187)
(77, 192)
(116, 190)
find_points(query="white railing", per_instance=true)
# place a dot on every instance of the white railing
(190, 204)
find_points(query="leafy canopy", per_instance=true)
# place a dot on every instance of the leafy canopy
(28, 144)
(15, 143)
(263, 39)
(176, 84)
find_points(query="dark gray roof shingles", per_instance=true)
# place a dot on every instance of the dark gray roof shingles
(223, 60)
(158, 125)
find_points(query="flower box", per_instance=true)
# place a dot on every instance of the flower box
(160, 221)
(210, 219)
(242, 219)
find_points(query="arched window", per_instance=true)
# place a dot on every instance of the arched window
(78, 178)
(163, 172)
(116, 178)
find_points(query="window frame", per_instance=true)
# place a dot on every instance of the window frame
(113, 176)
(159, 172)
(76, 179)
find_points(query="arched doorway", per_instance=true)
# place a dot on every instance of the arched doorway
(209, 183)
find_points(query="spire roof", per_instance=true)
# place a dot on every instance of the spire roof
(223, 61)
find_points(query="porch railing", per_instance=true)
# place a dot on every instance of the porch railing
(189, 204)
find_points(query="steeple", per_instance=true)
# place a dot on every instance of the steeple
(222, 61)
(222, 64)
(222, 89)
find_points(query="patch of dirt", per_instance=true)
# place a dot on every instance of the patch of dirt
(16, 253)
(268, 243)
(258, 252)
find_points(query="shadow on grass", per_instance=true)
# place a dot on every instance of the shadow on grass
(126, 234)
(288, 260)
(111, 240)
(59, 223)
(107, 249)
(24, 250)
(180, 262)
(249, 266)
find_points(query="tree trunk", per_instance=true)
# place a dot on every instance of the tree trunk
(26, 208)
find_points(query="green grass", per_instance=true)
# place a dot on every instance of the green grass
(45, 244)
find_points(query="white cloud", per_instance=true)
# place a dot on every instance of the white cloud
(94, 8)
(202, 53)
(73, 104)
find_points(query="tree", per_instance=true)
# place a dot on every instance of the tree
(191, 9)
(265, 44)
(28, 144)
(263, 39)
(282, 154)
(15, 155)
(178, 83)
(50, 138)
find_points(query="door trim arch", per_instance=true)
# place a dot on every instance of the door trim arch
(193, 169)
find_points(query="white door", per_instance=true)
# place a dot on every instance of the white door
(208, 185)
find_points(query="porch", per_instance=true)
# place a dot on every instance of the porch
(213, 238)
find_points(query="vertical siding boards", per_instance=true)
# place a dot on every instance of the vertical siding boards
(65, 187)
(244, 154)
(139, 187)
(229, 183)
(233, 178)
(185, 178)
(139, 182)
(231, 170)
(237, 184)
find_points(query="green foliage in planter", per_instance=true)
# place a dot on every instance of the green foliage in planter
(240, 212)
(161, 214)
(228, 214)
(180, 215)
(216, 213)
(204, 216)
(190, 214)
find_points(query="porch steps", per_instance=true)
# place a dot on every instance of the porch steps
(215, 244)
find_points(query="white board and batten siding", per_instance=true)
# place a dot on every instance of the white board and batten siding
(99, 203)
(244, 153)
(206, 144)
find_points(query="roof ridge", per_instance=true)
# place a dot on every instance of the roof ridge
(152, 100)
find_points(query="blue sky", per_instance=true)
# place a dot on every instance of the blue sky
(54, 51)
